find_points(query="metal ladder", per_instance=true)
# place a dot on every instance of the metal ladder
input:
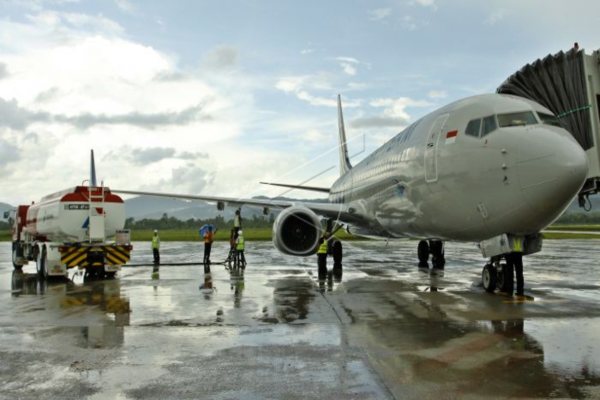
(96, 223)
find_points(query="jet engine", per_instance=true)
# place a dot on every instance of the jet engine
(296, 231)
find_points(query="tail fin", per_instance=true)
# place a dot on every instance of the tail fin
(344, 160)
(93, 182)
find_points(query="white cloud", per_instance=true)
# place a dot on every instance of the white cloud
(437, 94)
(304, 86)
(348, 65)
(349, 69)
(424, 3)
(496, 16)
(306, 51)
(72, 82)
(290, 84)
(223, 57)
(394, 113)
(408, 23)
(125, 5)
(379, 14)
(316, 100)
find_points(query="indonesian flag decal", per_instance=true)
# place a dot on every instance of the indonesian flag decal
(451, 136)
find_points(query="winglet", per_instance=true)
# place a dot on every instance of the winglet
(344, 160)
(92, 171)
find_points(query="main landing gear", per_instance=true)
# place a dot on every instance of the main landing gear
(435, 248)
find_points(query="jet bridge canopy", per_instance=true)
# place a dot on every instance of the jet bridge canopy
(567, 83)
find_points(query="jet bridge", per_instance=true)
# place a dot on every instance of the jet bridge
(567, 83)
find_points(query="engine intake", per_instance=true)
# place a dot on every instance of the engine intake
(296, 231)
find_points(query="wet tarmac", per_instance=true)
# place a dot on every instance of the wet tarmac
(383, 329)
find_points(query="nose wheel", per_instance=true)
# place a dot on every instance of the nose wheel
(497, 275)
(489, 278)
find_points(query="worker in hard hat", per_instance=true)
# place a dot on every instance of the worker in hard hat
(237, 220)
(156, 247)
(239, 250)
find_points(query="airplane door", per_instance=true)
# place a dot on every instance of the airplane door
(431, 148)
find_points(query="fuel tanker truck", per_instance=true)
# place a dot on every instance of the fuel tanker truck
(78, 227)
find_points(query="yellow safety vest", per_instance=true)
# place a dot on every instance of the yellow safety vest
(240, 243)
(322, 248)
(155, 242)
(518, 244)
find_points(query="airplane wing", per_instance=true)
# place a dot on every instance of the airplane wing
(329, 210)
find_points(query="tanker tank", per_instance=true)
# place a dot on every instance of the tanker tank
(65, 216)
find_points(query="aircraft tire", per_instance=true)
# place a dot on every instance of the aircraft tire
(489, 278)
(15, 255)
(41, 264)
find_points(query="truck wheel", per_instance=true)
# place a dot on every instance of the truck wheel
(41, 264)
(15, 255)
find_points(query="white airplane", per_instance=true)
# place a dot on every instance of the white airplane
(484, 169)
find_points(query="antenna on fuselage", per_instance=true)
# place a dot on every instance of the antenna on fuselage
(345, 165)
(92, 171)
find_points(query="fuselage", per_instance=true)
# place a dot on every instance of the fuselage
(476, 168)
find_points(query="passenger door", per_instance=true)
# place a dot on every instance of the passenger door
(431, 148)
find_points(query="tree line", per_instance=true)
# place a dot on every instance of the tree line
(579, 218)
(166, 222)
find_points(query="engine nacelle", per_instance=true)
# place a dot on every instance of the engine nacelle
(296, 231)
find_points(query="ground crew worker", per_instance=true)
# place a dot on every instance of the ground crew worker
(239, 250)
(322, 255)
(237, 220)
(514, 260)
(209, 238)
(156, 247)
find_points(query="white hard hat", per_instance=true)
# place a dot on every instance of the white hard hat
(240, 232)
(156, 231)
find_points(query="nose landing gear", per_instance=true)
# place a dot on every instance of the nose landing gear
(498, 275)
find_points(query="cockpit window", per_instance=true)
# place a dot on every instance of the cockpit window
(549, 119)
(517, 119)
(489, 125)
(473, 128)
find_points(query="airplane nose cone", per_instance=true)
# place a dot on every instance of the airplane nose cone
(551, 169)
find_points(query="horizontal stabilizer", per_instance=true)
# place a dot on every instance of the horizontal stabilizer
(310, 188)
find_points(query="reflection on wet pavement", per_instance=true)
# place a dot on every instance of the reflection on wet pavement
(382, 328)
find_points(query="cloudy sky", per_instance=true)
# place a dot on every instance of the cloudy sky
(212, 97)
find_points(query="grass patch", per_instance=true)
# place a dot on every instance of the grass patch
(583, 228)
(568, 235)
(185, 235)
